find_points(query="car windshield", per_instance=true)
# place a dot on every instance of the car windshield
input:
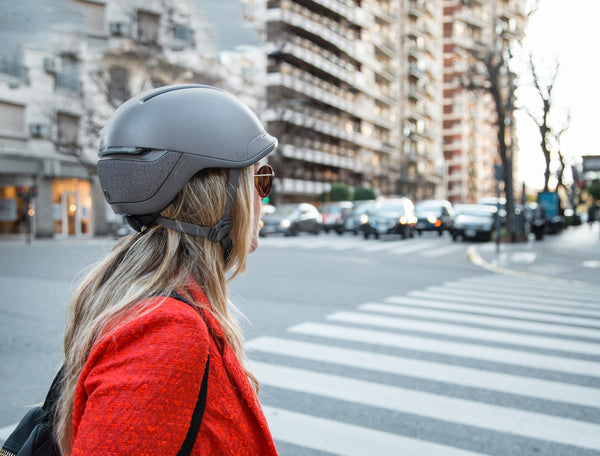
(285, 209)
(389, 207)
(424, 208)
(475, 210)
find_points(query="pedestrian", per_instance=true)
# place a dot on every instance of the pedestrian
(182, 163)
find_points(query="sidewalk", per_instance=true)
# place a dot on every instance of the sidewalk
(572, 256)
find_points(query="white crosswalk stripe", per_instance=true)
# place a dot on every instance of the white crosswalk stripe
(429, 248)
(546, 353)
(341, 438)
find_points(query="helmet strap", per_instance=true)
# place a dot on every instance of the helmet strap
(219, 232)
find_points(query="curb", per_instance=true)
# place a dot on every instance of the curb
(480, 262)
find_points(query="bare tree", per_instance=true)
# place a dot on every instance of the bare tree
(490, 73)
(542, 121)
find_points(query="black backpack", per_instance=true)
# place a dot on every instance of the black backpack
(33, 435)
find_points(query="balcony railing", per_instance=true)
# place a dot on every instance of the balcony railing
(318, 156)
(13, 144)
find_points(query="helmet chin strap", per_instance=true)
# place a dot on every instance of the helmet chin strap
(219, 232)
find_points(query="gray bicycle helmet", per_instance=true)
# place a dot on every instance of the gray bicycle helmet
(154, 143)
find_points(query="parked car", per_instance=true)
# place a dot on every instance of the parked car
(292, 219)
(434, 215)
(356, 219)
(391, 216)
(334, 215)
(498, 203)
(474, 221)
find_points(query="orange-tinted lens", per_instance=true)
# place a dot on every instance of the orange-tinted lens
(263, 180)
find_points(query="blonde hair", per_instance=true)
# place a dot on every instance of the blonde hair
(156, 262)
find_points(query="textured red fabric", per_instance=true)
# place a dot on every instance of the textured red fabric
(138, 389)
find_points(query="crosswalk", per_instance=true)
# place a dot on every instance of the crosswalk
(482, 365)
(425, 247)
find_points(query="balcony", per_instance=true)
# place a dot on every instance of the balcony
(319, 25)
(301, 187)
(13, 144)
(317, 156)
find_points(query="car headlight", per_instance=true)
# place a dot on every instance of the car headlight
(432, 219)
(403, 220)
(285, 223)
(364, 218)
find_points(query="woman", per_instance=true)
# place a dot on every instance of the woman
(180, 163)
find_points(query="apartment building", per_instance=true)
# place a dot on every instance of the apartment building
(469, 129)
(420, 100)
(56, 95)
(332, 95)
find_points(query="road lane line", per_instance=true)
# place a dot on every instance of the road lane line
(412, 247)
(502, 303)
(504, 280)
(347, 439)
(532, 290)
(508, 297)
(464, 313)
(450, 348)
(466, 376)
(435, 253)
(460, 411)
(476, 334)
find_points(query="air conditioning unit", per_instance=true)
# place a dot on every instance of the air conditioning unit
(49, 65)
(37, 130)
(118, 28)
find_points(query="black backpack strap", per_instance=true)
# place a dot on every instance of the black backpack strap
(196, 421)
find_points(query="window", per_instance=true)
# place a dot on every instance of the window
(147, 27)
(67, 132)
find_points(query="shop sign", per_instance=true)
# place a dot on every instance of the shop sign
(8, 210)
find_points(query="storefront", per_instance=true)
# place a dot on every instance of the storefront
(72, 207)
(23, 206)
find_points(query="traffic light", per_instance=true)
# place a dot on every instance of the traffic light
(266, 200)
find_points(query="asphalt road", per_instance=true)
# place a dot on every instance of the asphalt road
(365, 347)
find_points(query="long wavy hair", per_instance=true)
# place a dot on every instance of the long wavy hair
(158, 261)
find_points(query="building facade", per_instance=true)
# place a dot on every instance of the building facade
(420, 100)
(332, 95)
(469, 124)
(56, 95)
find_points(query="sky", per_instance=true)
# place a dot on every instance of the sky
(566, 31)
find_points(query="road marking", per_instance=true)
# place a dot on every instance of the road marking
(467, 332)
(506, 296)
(466, 376)
(461, 411)
(434, 253)
(493, 315)
(503, 304)
(347, 439)
(532, 289)
(554, 286)
(493, 321)
(454, 349)
(412, 247)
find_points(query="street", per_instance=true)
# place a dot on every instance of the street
(388, 347)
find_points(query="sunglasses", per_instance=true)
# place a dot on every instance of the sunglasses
(263, 180)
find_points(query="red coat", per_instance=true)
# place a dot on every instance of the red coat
(139, 386)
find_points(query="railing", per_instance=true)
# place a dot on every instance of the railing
(13, 144)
